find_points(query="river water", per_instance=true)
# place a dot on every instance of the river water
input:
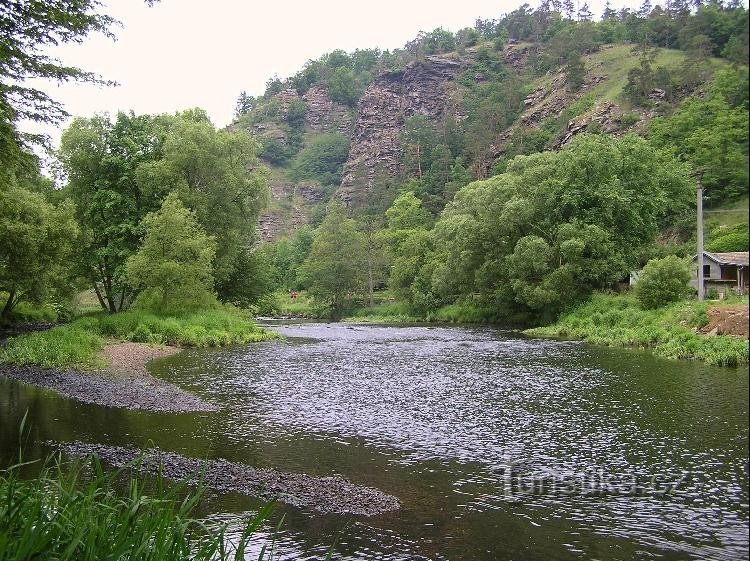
(498, 446)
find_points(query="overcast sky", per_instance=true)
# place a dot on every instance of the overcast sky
(193, 53)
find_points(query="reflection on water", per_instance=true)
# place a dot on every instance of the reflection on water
(467, 427)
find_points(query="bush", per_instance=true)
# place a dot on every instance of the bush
(661, 282)
(322, 160)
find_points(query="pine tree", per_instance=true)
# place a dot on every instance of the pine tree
(584, 13)
(568, 8)
(608, 13)
(645, 9)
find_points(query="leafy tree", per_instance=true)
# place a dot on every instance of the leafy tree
(334, 271)
(216, 174)
(173, 266)
(662, 282)
(101, 158)
(36, 245)
(322, 160)
(556, 226)
(711, 135)
(342, 86)
(733, 238)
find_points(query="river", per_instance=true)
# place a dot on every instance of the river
(498, 446)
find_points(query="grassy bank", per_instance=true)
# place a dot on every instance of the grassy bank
(670, 331)
(78, 343)
(399, 312)
(78, 512)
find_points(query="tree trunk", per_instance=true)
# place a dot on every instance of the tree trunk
(99, 296)
(9, 304)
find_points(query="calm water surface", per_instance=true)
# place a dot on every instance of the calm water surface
(498, 447)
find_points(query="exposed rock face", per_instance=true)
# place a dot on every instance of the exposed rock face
(290, 207)
(325, 115)
(388, 102)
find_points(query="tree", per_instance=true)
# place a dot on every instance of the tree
(576, 71)
(28, 29)
(334, 270)
(245, 104)
(322, 159)
(662, 282)
(342, 86)
(711, 134)
(173, 266)
(101, 158)
(217, 175)
(556, 226)
(36, 243)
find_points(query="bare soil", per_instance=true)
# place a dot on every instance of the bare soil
(731, 320)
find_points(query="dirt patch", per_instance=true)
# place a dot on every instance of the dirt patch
(728, 321)
(132, 358)
(324, 494)
(125, 383)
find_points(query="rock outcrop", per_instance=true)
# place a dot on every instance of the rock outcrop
(325, 115)
(390, 100)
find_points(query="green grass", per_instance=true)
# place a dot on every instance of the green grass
(669, 331)
(76, 345)
(399, 312)
(77, 512)
(61, 347)
(385, 312)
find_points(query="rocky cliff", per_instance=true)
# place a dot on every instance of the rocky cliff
(390, 100)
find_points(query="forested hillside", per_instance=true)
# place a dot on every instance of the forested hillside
(399, 138)
(510, 169)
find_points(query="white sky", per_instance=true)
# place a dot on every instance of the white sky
(196, 53)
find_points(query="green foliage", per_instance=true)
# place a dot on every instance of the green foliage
(619, 321)
(36, 244)
(662, 282)
(288, 254)
(211, 328)
(78, 512)
(343, 87)
(118, 172)
(731, 238)
(335, 268)
(322, 159)
(173, 264)
(555, 226)
(711, 135)
(61, 347)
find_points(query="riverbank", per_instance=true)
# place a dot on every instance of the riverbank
(102, 358)
(124, 382)
(78, 344)
(682, 330)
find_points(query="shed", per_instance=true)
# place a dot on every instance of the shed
(724, 271)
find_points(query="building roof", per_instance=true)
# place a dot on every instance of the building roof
(729, 258)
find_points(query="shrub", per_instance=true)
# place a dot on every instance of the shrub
(662, 281)
(322, 159)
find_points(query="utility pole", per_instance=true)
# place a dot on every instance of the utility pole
(701, 287)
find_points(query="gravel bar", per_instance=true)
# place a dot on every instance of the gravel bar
(323, 494)
(133, 391)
